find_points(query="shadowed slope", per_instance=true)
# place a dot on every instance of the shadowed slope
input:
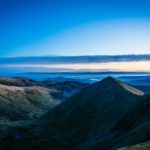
(104, 116)
(90, 115)
(68, 88)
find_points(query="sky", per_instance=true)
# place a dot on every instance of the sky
(74, 27)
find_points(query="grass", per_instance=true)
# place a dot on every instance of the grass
(142, 146)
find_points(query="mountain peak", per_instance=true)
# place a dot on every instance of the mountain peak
(110, 81)
(92, 112)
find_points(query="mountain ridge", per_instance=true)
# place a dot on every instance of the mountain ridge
(90, 115)
(111, 80)
(105, 115)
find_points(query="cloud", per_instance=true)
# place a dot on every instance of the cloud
(73, 59)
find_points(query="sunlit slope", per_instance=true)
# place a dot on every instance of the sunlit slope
(25, 102)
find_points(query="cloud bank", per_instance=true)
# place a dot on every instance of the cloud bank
(73, 59)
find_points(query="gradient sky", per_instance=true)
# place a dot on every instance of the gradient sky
(74, 27)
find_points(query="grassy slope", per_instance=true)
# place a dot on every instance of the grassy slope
(89, 116)
(142, 146)
(104, 116)
(22, 98)
(25, 102)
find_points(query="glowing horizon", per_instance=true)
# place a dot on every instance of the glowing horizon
(134, 66)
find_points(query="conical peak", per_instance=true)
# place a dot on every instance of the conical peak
(109, 81)
(109, 78)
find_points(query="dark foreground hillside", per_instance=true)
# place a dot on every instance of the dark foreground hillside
(106, 115)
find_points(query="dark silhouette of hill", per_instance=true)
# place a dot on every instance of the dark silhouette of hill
(88, 119)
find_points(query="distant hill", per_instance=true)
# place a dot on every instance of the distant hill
(142, 81)
(18, 82)
(145, 89)
(68, 88)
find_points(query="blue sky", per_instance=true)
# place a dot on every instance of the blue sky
(74, 27)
